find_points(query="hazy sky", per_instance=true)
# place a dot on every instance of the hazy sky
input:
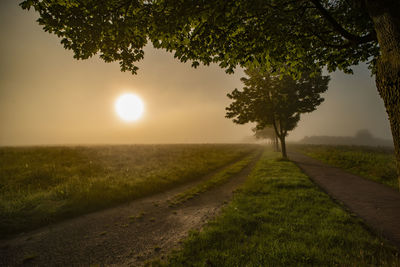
(47, 97)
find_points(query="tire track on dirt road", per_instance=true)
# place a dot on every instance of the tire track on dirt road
(125, 235)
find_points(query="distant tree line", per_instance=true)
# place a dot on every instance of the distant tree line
(361, 138)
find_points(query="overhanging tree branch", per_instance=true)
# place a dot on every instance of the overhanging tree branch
(342, 31)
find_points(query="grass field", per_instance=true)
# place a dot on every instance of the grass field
(40, 185)
(280, 218)
(218, 179)
(377, 164)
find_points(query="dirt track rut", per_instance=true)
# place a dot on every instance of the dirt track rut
(127, 235)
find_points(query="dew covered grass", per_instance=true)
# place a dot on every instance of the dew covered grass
(280, 218)
(41, 185)
(374, 163)
(219, 178)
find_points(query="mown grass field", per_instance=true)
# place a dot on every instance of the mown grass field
(280, 218)
(41, 185)
(374, 163)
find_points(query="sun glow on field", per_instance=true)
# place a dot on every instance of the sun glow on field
(129, 107)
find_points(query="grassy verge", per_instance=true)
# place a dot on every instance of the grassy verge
(280, 218)
(40, 185)
(218, 179)
(377, 164)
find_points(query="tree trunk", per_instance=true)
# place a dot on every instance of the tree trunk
(276, 142)
(386, 19)
(281, 136)
(283, 146)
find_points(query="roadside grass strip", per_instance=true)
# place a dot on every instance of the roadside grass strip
(374, 163)
(280, 218)
(216, 180)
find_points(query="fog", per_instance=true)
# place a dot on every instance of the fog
(47, 97)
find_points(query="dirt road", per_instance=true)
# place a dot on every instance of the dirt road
(126, 235)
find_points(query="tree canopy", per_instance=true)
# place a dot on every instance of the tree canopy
(230, 33)
(269, 99)
(265, 133)
(268, 133)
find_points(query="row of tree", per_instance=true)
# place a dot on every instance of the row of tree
(275, 101)
(267, 133)
(285, 35)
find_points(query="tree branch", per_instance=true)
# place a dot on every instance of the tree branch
(342, 31)
(336, 46)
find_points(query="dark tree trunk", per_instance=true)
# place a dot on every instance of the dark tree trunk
(279, 134)
(386, 19)
(276, 142)
(283, 146)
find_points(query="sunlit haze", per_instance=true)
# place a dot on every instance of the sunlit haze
(129, 107)
(47, 97)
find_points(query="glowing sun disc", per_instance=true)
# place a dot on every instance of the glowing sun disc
(129, 107)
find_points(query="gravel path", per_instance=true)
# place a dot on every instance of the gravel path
(378, 205)
(127, 235)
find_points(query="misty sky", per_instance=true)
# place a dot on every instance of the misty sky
(47, 97)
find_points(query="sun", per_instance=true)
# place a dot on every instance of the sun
(129, 107)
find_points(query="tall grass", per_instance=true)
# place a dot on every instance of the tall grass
(280, 218)
(40, 185)
(374, 163)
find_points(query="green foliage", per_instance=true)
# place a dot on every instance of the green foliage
(280, 218)
(40, 185)
(271, 99)
(377, 164)
(290, 35)
(266, 133)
